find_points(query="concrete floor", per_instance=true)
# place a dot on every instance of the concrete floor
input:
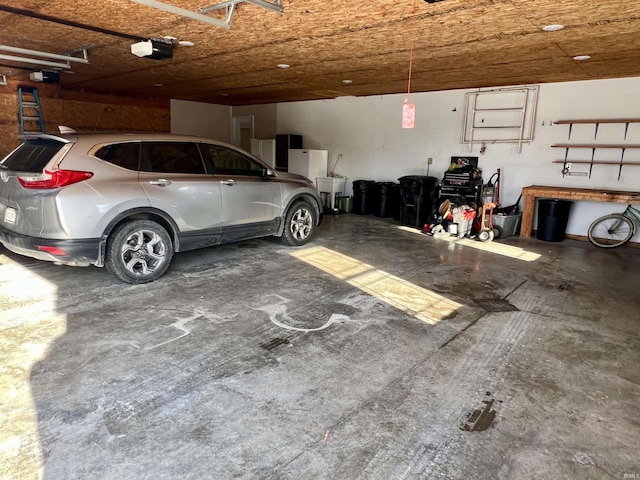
(410, 371)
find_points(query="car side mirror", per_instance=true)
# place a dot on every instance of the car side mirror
(268, 173)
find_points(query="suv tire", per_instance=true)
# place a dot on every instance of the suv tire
(139, 251)
(299, 224)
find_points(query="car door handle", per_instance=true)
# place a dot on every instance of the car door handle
(228, 182)
(160, 182)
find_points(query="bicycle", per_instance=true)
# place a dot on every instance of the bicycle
(615, 229)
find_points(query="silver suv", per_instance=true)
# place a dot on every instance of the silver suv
(128, 201)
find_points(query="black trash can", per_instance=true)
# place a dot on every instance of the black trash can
(383, 198)
(363, 197)
(553, 216)
(396, 202)
(417, 199)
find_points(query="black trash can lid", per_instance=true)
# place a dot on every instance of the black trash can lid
(555, 207)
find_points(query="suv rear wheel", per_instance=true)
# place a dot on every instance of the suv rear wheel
(139, 251)
(299, 224)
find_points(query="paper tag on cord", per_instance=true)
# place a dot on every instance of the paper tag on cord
(408, 114)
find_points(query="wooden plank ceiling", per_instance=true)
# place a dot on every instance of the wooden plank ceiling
(457, 44)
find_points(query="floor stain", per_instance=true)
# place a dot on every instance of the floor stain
(248, 245)
(564, 285)
(481, 419)
(275, 342)
(496, 305)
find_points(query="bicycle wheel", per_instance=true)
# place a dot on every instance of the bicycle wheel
(611, 231)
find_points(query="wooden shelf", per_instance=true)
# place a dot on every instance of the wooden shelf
(593, 146)
(597, 162)
(589, 145)
(602, 120)
(620, 163)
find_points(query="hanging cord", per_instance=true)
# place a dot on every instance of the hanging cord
(411, 37)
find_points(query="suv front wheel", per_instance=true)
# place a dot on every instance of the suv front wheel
(139, 251)
(299, 224)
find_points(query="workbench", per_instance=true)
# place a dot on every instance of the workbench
(531, 193)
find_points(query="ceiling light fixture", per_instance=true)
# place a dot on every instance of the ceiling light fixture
(185, 43)
(553, 28)
(347, 82)
(283, 65)
(581, 58)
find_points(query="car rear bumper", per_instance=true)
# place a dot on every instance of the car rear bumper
(86, 251)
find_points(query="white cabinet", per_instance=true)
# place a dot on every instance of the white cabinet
(310, 163)
(265, 150)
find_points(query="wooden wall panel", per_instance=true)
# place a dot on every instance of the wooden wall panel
(83, 112)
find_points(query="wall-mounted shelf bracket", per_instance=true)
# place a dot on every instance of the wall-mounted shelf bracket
(566, 163)
(597, 123)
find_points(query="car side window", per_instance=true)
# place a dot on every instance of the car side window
(230, 162)
(171, 157)
(125, 155)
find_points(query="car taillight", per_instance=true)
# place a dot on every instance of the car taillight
(54, 179)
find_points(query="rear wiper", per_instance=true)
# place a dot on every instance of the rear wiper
(2, 165)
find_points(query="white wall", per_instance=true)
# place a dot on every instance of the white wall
(367, 132)
(201, 119)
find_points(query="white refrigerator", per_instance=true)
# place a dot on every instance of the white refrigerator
(310, 163)
(265, 150)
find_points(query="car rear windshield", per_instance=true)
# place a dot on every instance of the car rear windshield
(32, 156)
